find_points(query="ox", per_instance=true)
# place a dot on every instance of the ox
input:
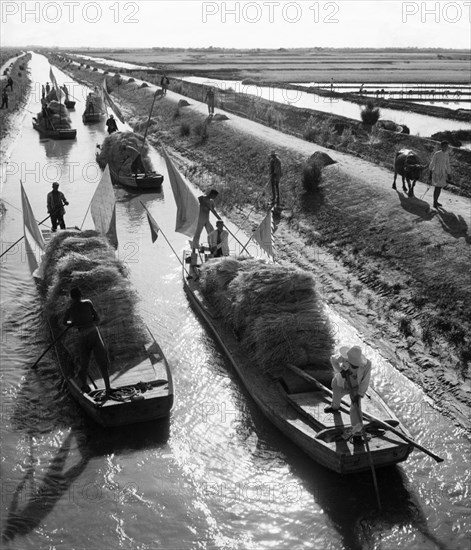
(407, 165)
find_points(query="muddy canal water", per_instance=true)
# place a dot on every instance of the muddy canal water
(216, 474)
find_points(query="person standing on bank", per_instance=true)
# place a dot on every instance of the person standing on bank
(206, 207)
(164, 82)
(275, 176)
(209, 99)
(82, 314)
(111, 125)
(352, 377)
(4, 99)
(55, 206)
(218, 240)
(439, 171)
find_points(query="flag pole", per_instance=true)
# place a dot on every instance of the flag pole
(168, 242)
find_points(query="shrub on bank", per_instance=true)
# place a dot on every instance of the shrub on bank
(185, 129)
(370, 114)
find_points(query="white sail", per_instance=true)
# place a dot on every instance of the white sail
(103, 208)
(264, 235)
(29, 221)
(187, 203)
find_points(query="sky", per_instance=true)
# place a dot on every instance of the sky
(242, 24)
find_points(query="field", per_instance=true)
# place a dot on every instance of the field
(305, 65)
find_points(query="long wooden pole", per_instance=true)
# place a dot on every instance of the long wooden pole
(368, 416)
(50, 346)
(357, 404)
(21, 238)
(168, 242)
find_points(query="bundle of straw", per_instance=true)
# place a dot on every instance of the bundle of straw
(275, 311)
(120, 149)
(86, 260)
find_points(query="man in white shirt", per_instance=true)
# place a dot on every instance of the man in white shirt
(439, 171)
(218, 241)
(352, 377)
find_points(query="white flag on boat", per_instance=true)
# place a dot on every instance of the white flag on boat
(60, 94)
(154, 227)
(103, 208)
(264, 235)
(29, 221)
(187, 204)
(112, 104)
(30, 256)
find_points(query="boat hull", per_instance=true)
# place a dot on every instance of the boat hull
(285, 408)
(56, 134)
(143, 182)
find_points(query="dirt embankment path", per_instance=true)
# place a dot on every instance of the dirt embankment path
(399, 271)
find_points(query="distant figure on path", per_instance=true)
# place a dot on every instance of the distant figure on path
(218, 240)
(440, 171)
(82, 314)
(55, 207)
(352, 377)
(164, 82)
(43, 92)
(275, 176)
(206, 207)
(48, 88)
(209, 99)
(111, 125)
(4, 99)
(9, 83)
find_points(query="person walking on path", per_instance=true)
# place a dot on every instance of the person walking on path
(275, 176)
(218, 240)
(209, 99)
(352, 377)
(206, 207)
(164, 82)
(4, 99)
(55, 207)
(439, 171)
(82, 314)
(9, 83)
(111, 125)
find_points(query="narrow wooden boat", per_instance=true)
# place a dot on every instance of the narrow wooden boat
(67, 133)
(150, 181)
(296, 407)
(142, 387)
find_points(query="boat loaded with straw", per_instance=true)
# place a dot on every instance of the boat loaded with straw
(139, 373)
(54, 121)
(127, 155)
(276, 332)
(271, 323)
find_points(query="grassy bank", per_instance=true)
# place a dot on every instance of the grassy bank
(398, 272)
(17, 97)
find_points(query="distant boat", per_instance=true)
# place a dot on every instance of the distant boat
(67, 133)
(53, 121)
(94, 107)
(128, 172)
